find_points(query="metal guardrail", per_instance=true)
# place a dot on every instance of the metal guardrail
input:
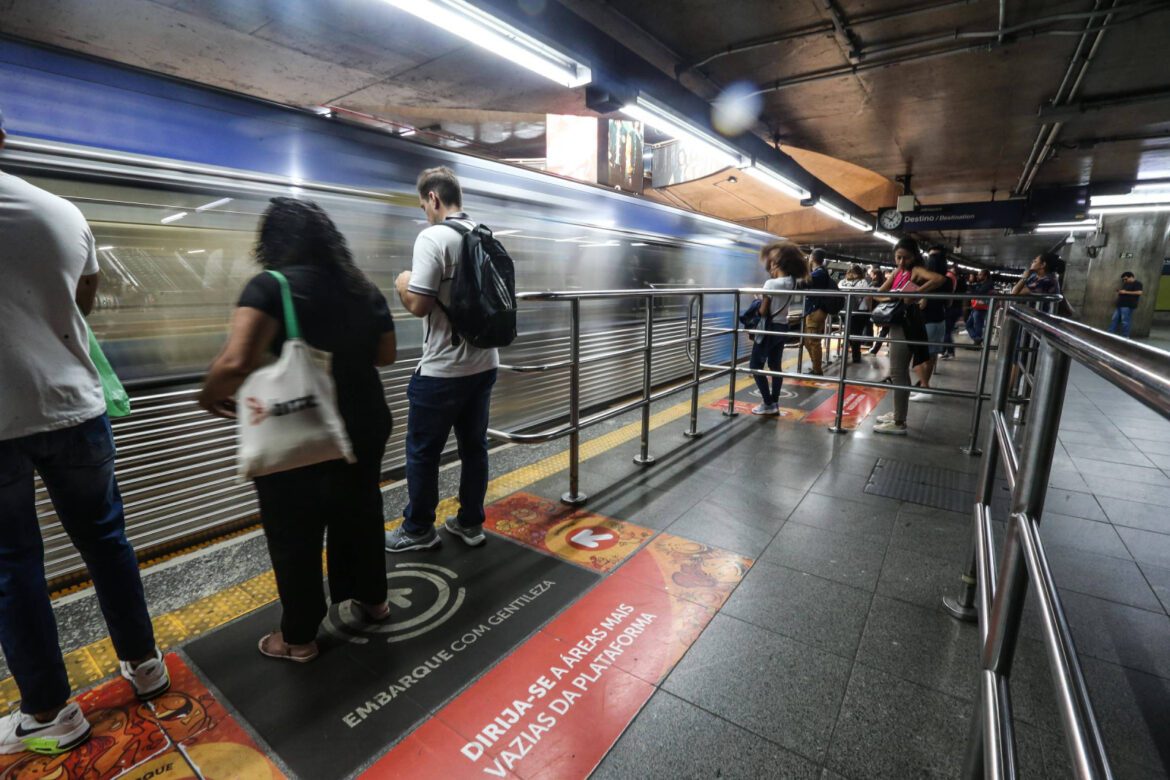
(995, 594)
(694, 341)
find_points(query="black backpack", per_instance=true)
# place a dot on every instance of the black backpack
(832, 304)
(483, 290)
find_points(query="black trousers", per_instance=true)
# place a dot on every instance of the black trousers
(858, 326)
(339, 504)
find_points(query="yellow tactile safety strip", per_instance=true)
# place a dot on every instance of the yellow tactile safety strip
(94, 662)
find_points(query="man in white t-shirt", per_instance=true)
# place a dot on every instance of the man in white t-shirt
(53, 421)
(452, 386)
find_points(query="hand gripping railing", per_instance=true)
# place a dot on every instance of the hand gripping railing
(999, 592)
(696, 331)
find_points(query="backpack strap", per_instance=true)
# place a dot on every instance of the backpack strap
(292, 329)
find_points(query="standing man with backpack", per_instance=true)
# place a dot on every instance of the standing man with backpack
(461, 281)
(817, 308)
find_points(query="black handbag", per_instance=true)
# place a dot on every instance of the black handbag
(889, 313)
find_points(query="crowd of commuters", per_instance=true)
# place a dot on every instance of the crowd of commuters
(56, 425)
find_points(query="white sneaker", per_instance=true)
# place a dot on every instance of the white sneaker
(887, 417)
(766, 409)
(20, 732)
(150, 678)
(890, 427)
(921, 397)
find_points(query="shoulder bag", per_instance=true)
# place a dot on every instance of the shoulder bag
(287, 412)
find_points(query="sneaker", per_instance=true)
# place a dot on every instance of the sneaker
(20, 732)
(813, 372)
(923, 398)
(887, 417)
(766, 409)
(401, 540)
(473, 536)
(149, 678)
(947, 356)
(890, 427)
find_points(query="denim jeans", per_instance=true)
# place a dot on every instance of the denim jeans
(77, 466)
(438, 404)
(1122, 319)
(975, 324)
(769, 350)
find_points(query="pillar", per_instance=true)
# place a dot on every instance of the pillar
(1138, 243)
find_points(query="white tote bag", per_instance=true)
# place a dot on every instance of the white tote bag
(287, 412)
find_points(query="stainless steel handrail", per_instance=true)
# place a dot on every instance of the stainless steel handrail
(696, 331)
(1143, 373)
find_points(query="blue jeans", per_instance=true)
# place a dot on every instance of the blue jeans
(1122, 319)
(77, 466)
(438, 404)
(975, 324)
(768, 350)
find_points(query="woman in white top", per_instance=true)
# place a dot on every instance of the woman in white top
(786, 266)
(859, 319)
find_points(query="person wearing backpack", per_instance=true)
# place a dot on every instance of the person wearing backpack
(452, 386)
(817, 309)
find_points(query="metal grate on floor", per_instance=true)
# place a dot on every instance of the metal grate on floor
(933, 486)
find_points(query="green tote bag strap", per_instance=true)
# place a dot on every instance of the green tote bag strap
(117, 400)
(292, 330)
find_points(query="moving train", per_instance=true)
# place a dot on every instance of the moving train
(173, 178)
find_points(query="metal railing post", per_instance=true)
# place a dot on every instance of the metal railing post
(644, 458)
(962, 607)
(574, 497)
(844, 358)
(730, 410)
(693, 431)
(972, 447)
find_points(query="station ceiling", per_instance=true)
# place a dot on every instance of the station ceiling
(894, 87)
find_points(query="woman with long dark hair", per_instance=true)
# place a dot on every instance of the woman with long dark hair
(342, 313)
(910, 276)
(786, 267)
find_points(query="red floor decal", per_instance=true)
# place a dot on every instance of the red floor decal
(554, 707)
(138, 741)
(859, 402)
(574, 535)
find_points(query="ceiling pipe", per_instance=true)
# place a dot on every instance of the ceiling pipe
(1029, 176)
(846, 38)
(1002, 17)
(822, 28)
(1071, 110)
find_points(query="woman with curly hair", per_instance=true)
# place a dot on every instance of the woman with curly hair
(340, 312)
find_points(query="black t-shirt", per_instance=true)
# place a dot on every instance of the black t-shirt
(936, 308)
(346, 324)
(1129, 301)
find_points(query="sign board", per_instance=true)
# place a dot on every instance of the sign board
(619, 155)
(955, 216)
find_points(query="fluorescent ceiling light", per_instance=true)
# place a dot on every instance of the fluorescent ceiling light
(499, 37)
(669, 123)
(841, 216)
(105, 248)
(1085, 226)
(885, 237)
(1150, 209)
(1132, 199)
(776, 181)
(173, 218)
(214, 204)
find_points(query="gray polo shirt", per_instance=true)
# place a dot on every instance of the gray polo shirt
(436, 253)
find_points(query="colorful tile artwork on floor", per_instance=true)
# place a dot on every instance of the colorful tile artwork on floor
(185, 733)
(573, 535)
(553, 708)
(812, 402)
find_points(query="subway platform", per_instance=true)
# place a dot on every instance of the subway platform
(764, 600)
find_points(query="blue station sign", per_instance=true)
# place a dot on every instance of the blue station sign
(955, 216)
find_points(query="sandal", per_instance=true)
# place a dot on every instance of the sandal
(379, 613)
(288, 654)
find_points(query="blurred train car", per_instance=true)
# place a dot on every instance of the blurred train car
(173, 178)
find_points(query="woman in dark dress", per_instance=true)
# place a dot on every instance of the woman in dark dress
(340, 312)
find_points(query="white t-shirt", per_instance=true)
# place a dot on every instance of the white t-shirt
(47, 380)
(436, 253)
(778, 306)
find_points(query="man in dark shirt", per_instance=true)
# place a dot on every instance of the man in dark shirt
(816, 310)
(1128, 297)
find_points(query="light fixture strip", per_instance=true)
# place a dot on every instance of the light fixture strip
(776, 181)
(499, 37)
(1150, 209)
(1133, 199)
(667, 122)
(841, 215)
(885, 237)
(173, 218)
